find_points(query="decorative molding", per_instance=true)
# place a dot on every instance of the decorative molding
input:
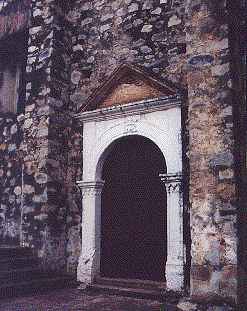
(130, 124)
(171, 178)
(172, 181)
(126, 73)
(91, 188)
(141, 107)
(160, 124)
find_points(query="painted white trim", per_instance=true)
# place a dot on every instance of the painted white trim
(102, 128)
(144, 106)
(175, 248)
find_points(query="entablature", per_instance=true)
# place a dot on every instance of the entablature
(141, 107)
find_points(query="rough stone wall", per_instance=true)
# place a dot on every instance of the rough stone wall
(70, 54)
(147, 34)
(14, 16)
(212, 185)
(47, 127)
(154, 35)
(11, 137)
(48, 205)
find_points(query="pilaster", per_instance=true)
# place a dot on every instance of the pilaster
(175, 251)
(89, 261)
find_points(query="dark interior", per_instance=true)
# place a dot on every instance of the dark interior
(133, 214)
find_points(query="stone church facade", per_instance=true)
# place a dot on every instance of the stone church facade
(82, 81)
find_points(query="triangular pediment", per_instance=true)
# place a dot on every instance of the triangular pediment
(127, 85)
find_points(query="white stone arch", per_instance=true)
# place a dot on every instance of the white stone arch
(106, 150)
(165, 136)
(163, 127)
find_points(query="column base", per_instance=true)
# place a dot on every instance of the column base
(174, 277)
(87, 270)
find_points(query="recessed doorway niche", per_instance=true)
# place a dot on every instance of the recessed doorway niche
(134, 211)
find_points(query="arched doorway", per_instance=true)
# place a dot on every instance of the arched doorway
(133, 211)
(159, 122)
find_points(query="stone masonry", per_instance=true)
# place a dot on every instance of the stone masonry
(73, 48)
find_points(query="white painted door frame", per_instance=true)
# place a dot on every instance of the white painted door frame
(160, 121)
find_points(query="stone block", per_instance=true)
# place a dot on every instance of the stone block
(220, 70)
(133, 7)
(147, 28)
(173, 21)
(201, 60)
(137, 22)
(48, 208)
(17, 190)
(201, 290)
(187, 306)
(229, 271)
(215, 281)
(121, 12)
(28, 189)
(104, 28)
(28, 123)
(159, 37)
(41, 217)
(86, 21)
(13, 129)
(29, 108)
(28, 209)
(2, 146)
(43, 110)
(75, 76)
(145, 49)
(225, 190)
(138, 42)
(220, 159)
(55, 102)
(42, 132)
(226, 174)
(201, 273)
(106, 17)
(35, 30)
(226, 112)
(157, 11)
(195, 78)
(47, 53)
(213, 46)
(148, 4)
(228, 287)
(11, 147)
(231, 256)
(20, 118)
(40, 178)
(40, 198)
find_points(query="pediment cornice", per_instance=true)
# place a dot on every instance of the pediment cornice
(142, 107)
(126, 85)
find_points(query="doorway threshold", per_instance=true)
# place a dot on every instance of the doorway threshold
(144, 289)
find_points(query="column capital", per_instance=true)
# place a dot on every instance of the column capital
(91, 187)
(171, 178)
(172, 181)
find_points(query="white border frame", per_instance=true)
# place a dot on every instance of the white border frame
(160, 121)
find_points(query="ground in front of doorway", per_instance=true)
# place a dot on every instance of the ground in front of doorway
(80, 300)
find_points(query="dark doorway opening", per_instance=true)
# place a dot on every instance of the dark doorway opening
(134, 211)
